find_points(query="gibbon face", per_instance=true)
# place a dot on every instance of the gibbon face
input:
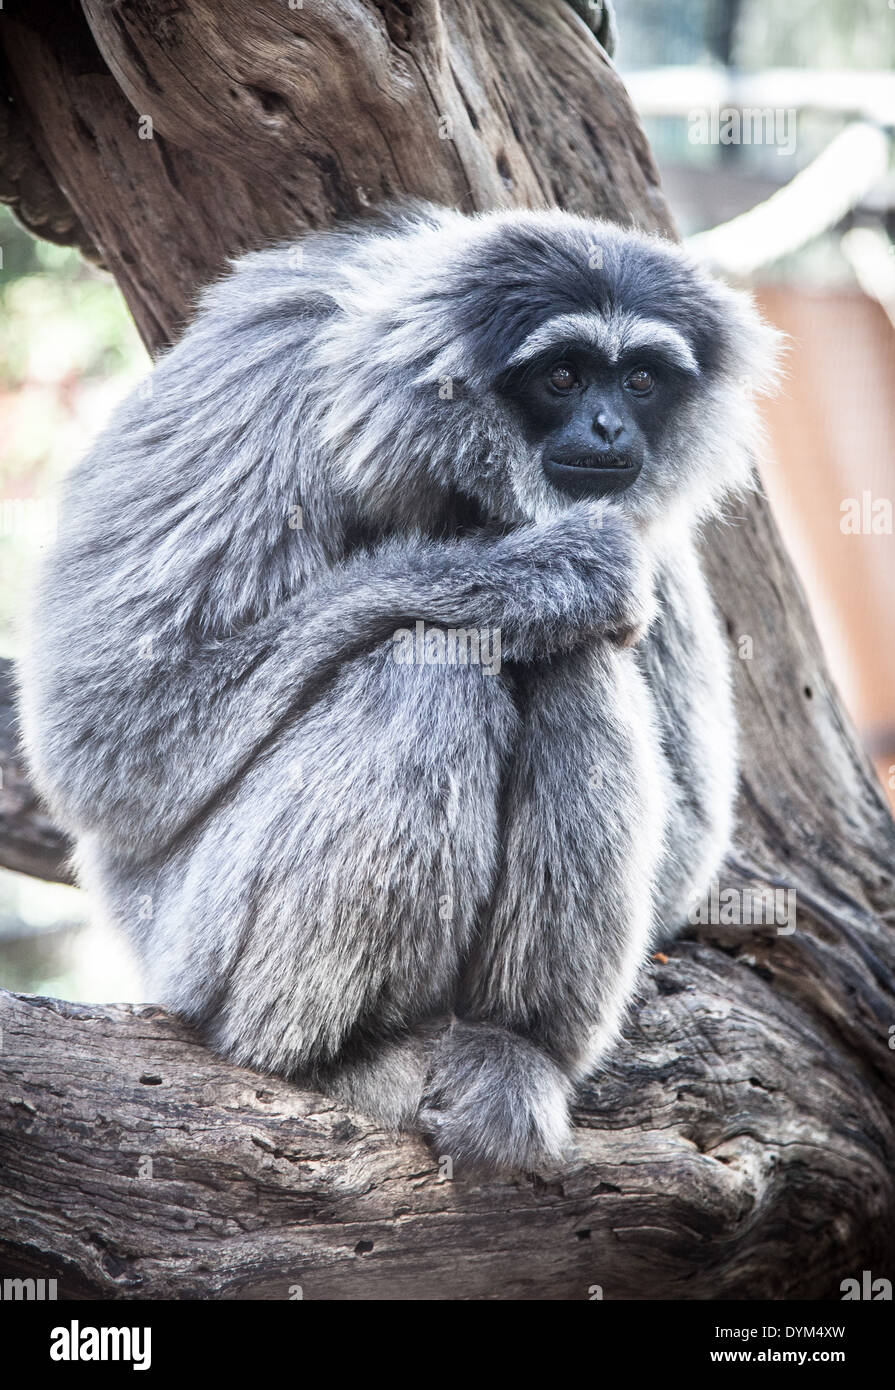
(596, 411)
(525, 359)
(628, 371)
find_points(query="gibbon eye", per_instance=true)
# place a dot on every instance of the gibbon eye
(641, 381)
(563, 377)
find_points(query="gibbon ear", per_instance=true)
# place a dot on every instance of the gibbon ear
(756, 349)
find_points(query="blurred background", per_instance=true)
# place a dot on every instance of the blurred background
(772, 122)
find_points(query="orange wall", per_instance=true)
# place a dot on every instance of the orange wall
(832, 436)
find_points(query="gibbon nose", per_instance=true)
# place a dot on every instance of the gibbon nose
(607, 426)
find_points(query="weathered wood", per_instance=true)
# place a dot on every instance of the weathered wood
(741, 1143)
(269, 122)
(740, 1146)
(29, 841)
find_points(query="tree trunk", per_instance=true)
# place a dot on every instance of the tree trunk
(740, 1143)
(29, 842)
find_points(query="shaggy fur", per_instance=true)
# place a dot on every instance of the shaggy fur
(426, 887)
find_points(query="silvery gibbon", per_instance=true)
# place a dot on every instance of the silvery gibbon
(374, 670)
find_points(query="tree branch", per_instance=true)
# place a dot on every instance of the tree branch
(747, 1116)
(29, 842)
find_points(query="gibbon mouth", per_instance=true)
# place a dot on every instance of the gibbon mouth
(593, 475)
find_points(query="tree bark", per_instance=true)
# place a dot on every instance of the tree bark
(29, 841)
(740, 1143)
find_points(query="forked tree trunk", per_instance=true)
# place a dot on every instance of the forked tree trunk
(741, 1141)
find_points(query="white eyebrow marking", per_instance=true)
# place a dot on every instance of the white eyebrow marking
(614, 335)
(636, 333)
(565, 328)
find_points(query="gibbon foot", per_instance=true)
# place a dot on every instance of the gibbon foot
(494, 1100)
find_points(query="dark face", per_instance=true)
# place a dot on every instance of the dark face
(592, 420)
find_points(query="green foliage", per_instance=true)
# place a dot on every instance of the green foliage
(68, 351)
(58, 315)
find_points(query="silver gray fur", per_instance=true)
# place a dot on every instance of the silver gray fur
(426, 888)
